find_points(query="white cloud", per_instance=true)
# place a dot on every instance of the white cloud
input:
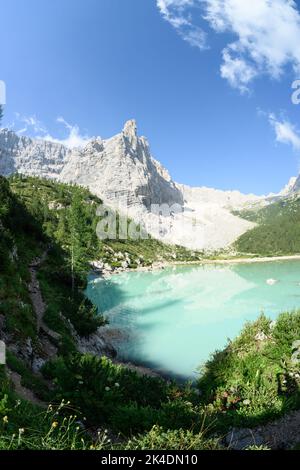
(266, 34)
(30, 123)
(74, 138)
(32, 126)
(286, 132)
(177, 14)
(237, 71)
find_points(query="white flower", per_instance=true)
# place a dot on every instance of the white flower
(117, 385)
(107, 389)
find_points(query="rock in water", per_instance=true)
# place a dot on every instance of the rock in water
(271, 282)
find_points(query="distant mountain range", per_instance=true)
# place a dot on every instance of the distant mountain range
(122, 171)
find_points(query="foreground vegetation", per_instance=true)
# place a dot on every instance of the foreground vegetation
(254, 380)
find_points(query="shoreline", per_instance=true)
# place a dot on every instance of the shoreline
(105, 274)
(263, 259)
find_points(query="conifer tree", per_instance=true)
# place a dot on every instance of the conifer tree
(79, 237)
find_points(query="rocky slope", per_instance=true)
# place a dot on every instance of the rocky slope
(30, 156)
(293, 185)
(123, 173)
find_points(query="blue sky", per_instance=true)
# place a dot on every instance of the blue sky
(208, 82)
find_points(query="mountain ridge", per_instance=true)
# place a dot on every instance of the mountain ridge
(122, 171)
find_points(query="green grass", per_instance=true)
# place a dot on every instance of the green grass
(24, 426)
(278, 230)
(253, 381)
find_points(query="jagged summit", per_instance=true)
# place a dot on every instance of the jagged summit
(294, 185)
(130, 128)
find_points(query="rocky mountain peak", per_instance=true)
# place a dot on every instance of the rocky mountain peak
(290, 187)
(294, 185)
(130, 129)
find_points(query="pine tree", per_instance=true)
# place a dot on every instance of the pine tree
(1, 113)
(79, 238)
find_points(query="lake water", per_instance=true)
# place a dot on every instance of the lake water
(176, 318)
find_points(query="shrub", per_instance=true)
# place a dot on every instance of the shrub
(253, 379)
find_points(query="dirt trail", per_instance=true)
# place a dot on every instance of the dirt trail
(24, 392)
(49, 339)
(40, 307)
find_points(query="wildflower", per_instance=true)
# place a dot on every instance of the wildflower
(107, 389)
(246, 402)
(54, 424)
(5, 419)
(117, 385)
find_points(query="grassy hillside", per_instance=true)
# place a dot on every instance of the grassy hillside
(277, 232)
(54, 204)
(256, 377)
(27, 231)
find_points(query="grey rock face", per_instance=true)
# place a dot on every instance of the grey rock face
(294, 185)
(122, 171)
(29, 156)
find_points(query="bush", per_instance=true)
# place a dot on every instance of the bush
(254, 379)
(132, 418)
(111, 394)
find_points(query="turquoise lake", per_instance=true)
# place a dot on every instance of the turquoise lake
(174, 319)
